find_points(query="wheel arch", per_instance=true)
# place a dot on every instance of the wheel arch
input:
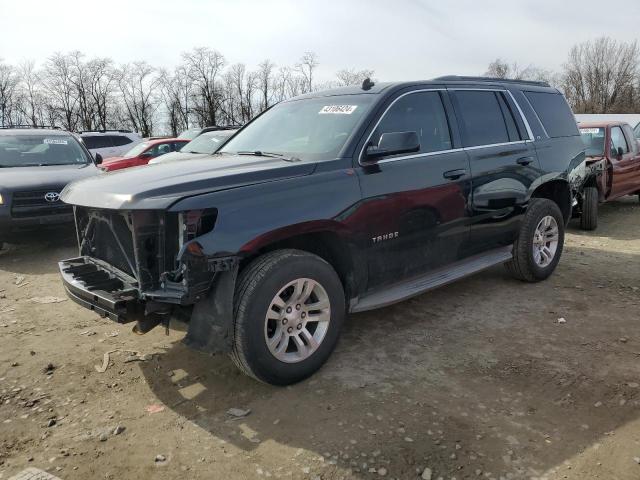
(559, 192)
(326, 241)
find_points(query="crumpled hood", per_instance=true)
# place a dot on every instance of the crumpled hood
(42, 178)
(158, 186)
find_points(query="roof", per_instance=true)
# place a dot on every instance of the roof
(454, 80)
(631, 118)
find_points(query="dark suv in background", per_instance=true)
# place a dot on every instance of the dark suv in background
(328, 203)
(35, 165)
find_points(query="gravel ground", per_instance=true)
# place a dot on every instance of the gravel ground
(479, 379)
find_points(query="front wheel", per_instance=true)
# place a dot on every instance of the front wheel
(537, 250)
(289, 308)
(589, 217)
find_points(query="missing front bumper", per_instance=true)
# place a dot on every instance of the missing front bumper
(110, 294)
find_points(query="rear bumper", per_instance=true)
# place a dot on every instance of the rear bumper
(98, 288)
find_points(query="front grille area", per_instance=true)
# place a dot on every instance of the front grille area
(34, 204)
(134, 242)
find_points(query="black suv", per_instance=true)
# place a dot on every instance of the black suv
(35, 165)
(332, 202)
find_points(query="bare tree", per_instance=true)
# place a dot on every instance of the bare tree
(501, 69)
(265, 83)
(102, 82)
(306, 67)
(8, 94)
(205, 67)
(138, 84)
(32, 98)
(601, 76)
(59, 87)
(176, 95)
(349, 76)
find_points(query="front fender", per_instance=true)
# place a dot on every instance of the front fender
(251, 216)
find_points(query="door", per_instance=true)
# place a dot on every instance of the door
(503, 165)
(416, 204)
(625, 166)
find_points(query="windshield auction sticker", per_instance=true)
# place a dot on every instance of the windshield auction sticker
(338, 109)
(55, 141)
(592, 131)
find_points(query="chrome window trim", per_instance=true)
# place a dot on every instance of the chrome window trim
(419, 155)
(439, 152)
(524, 119)
(544, 130)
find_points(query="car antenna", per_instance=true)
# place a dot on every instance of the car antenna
(367, 84)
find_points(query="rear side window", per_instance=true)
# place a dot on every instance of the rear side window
(120, 140)
(482, 118)
(420, 112)
(554, 113)
(97, 141)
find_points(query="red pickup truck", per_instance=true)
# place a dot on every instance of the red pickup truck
(613, 152)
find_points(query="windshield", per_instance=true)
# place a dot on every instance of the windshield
(636, 131)
(308, 129)
(190, 133)
(137, 150)
(207, 142)
(38, 150)
(593, 139)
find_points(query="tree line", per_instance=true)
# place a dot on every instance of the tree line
(599, 76)
(78, 93)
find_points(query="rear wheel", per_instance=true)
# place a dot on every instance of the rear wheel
(538, 248)
(289, 309)
(589, 217)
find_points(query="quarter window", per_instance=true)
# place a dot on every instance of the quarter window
(120, 140)
(420, 112)
(97, 141)
(618, 141)
(554, 113)
(483, 122)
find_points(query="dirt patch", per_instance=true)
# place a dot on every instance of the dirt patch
(476, 380)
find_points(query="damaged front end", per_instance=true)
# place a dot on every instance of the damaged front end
(149, 266)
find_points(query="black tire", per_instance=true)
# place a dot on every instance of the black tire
(589, 217)
(523, 266)
(257, 285)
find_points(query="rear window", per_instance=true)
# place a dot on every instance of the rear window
(554, 113)
(96, 141)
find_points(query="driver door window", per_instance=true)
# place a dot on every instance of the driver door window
(420, 112)
(618, 141)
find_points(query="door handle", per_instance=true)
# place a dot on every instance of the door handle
(524, 161)
(454, 174)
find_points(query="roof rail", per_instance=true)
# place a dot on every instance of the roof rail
(106, 131)
(457, 78)
(7, 127)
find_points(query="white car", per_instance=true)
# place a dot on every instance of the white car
(202, 146)
(110, 143)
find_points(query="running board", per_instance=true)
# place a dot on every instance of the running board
(436, 278)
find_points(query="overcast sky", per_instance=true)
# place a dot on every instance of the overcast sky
(399, 39)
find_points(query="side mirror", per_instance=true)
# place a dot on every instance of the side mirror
(619, 152)
(98, 159)
(393, 143)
